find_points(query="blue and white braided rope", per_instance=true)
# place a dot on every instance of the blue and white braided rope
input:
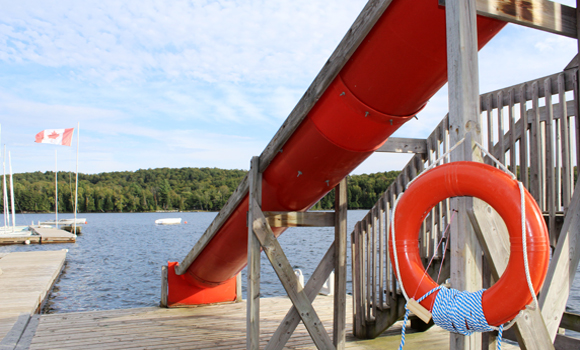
(457, 312)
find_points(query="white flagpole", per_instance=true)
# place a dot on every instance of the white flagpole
(3, 192)
(77, 177)
(55, 191)
(12, 194)
(5, 196)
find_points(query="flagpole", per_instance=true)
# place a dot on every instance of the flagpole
(3, 192)
(77, 177)
(12, 194)
(55, 190)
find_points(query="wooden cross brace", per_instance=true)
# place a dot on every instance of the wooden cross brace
(260, 235)
(537, 328)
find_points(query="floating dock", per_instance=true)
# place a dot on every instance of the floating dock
(25, 282)
(38, 235)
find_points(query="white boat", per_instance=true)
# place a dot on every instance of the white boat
(169, 221)
(77, 221)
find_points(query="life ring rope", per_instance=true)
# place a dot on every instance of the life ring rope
(467, 302)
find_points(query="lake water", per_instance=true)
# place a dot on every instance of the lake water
(116, 262)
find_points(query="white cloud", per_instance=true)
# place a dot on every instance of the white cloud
(254, 41)
(196, 83)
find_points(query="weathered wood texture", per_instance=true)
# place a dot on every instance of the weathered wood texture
(340, 310)
(312, 287)
(354, 36)
(26, 280)
(516, 146)
(404, 145)
(298, 219)
(562, 268)
(536, 139)
(545, 15)
(285, 273)
(253, 311)
(164, 289)
(208, 327)
(530, 329)
(465, 121)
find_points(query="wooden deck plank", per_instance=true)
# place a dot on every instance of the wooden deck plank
(26, 279)
(216, 327)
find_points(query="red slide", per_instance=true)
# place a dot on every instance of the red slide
(400, 64)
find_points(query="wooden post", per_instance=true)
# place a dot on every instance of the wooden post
(576, 97)
(464, 116)
(340, 207)
(253, 304)
(163, 286)
(239, 287)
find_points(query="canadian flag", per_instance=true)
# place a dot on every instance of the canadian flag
(55, 136)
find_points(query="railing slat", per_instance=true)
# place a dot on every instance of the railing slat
(567, 171)
(524, 142)
(500, 131)
(535, 148)
(512, 132)
(550, 182)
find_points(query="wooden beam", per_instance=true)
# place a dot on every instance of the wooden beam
(570, 321)
(545, 15)
(562, 269)
(253, 297)
(404, 145)
(492, 233)
(292, 318)
(464, 122)
(341, 208)
(298, 219)
(285, 273)
(352, 39)
(564, 342)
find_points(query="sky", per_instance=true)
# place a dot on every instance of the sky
(194, 83)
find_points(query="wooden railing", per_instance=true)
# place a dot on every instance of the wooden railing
(539, 141)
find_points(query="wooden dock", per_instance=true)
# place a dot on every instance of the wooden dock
(207, 327)
(25, 283)
(38, 235)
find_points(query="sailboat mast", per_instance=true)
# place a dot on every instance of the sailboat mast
(12, 194)
(5, 197)
(77, 178)
(55, 191)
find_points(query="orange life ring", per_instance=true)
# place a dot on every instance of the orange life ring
(510, 294)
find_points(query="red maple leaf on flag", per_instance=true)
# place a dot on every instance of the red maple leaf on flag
(54, 135)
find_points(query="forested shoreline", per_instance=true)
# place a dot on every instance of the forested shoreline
(184, 189)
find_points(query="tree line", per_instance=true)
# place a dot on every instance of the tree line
(184, 189)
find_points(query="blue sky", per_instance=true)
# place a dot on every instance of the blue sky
(195, 83)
